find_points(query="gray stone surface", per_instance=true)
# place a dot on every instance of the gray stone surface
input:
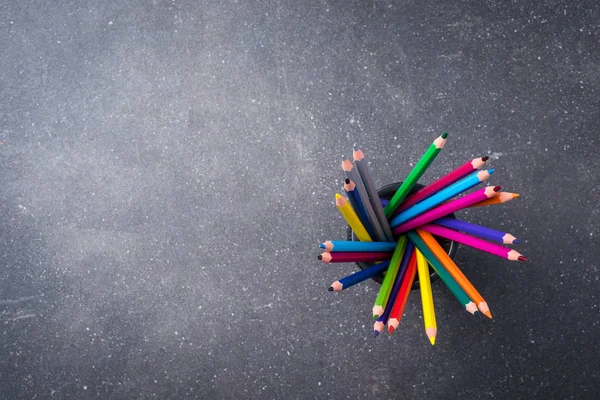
(168, 169)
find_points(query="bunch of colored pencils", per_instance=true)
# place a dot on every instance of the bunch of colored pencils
(397, 236)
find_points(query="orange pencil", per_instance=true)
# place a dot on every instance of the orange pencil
(456, 273)
(502, 197)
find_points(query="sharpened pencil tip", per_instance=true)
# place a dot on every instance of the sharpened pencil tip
(485, 158)
(322, 245)
(496, 188)
(347, 181)
(517, 241)
(477, 314)
(355, 147)
(488, 314)
(432, 340)
(319, 257)
(376, 333)
(390, 330)
(330, 289)
(444, 135)
(522, 258)
(491, 171)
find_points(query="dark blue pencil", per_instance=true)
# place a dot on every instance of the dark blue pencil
(477, 230)
(357, 205)
(382, 320)
(358, 277)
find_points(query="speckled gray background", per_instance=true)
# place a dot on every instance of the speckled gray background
(167, 169)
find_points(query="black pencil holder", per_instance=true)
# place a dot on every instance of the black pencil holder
(387, 192)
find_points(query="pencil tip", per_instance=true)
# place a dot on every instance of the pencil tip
(432, 340)
(355, 147)
(444, 135)
(522, 258)
(330, 289)
(477, 314)
(319, 257)
(322, 245)
(491, 171)
(376, 333)
(496, 188)
(515, 195)
(347, 181)
(517, 241)
(485, 158)
(488, 314)
(390, 330)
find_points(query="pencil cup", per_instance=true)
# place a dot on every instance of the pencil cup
(451, 247)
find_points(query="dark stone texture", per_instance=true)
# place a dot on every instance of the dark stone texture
(169, 167)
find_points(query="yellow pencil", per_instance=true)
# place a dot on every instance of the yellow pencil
(346, 209)
(426, 297)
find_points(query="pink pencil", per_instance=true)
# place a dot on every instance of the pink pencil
(477, 243)
(447, 208)
(444, 181)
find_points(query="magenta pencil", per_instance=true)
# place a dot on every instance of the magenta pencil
(443, 182)
(447, 208)
(474, 242)
(356, 256)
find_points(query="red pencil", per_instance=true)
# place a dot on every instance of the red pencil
(402, 298)
(356, 256)
(444, 181)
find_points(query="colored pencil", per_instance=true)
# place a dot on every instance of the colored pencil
(502, 197)
(352, 174)
(456, 290)
(415, 174)
(399, 282)
(479, 244)
(448, 208)
(349, 245)
(352, 219)
(358, 277)
(357, 256)
(456, 273)
(357, 205)
(448, 179)
(447, 193)
(426, 297)
(390, 277)
(365, 175)
(477, 230)
(402, 298)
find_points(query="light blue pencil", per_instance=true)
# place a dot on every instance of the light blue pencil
(350, 246)
(461, 186)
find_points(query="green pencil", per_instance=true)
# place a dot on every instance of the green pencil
(390, 277)
(456, 290)
(415, 174)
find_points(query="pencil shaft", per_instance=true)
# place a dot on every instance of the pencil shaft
(473, 229)
(456, 290)
(364, 274)
(352, 219)
(356, 256)
(390, 276)
(426, 292)
(415, 174)
(471, 241)
(363, 170)
(358, 206)
(404, 289)
(445, 181)
(349, 245)
(455, 189)
(447, 208)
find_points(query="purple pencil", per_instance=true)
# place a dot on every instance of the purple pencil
(479, 244)
(477, 230)
(382, 320)
(447, 208)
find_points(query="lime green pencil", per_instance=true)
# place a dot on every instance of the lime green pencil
(390, 277)
(456, 290)
(415, 174)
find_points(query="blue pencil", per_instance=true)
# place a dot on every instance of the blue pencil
(357, 205)
(441, 196)
(382, 320)
(476, 230)
(348, 245)
(359, 276)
